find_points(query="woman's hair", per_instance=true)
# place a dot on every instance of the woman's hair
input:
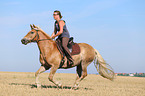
(58, 12)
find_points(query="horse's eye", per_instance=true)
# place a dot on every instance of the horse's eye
(32, 32)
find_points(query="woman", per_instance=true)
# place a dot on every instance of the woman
(61, 31)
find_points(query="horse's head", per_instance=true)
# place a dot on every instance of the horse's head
(32, 36)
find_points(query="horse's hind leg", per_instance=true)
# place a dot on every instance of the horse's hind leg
(40, 70)
(81, 74)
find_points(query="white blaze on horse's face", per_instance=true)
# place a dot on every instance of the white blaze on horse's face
(30, 37)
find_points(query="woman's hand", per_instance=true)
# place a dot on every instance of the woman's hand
(53, 36)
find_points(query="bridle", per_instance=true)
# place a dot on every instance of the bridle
(37, 35)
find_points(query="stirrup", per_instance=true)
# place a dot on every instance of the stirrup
(70, 63)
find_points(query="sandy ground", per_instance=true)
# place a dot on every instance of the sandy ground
(23, 84)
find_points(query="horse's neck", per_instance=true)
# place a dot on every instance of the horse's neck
(45, 46)
(43, 35)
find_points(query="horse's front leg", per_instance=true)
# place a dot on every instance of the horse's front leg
(40, 70)
(52, 72)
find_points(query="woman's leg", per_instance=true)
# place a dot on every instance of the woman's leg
(67, 52)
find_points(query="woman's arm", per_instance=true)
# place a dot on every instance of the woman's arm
(61, 24)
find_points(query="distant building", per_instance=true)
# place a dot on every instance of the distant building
(131, 74)
(140, 73)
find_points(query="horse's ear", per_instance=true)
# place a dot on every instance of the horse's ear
(34, 26)
(31, 26)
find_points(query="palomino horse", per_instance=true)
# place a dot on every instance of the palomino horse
(50, 56)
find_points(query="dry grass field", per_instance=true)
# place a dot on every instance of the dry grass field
(23, 84)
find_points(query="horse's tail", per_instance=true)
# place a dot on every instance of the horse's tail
(104, 69)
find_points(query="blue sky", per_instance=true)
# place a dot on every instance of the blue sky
(116, 28)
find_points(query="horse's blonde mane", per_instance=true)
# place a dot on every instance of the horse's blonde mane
(38, 28)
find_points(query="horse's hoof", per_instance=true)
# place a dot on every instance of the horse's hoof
(75, 87)
(38, 85)
(59, 85)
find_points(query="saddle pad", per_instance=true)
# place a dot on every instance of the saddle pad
(75, 49)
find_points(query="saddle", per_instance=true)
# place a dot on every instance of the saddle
(74, 49)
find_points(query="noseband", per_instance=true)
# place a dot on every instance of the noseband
(37, 35)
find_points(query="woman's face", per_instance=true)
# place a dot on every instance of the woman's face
(55, 15)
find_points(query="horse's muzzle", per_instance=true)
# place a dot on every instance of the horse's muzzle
(25, 41)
